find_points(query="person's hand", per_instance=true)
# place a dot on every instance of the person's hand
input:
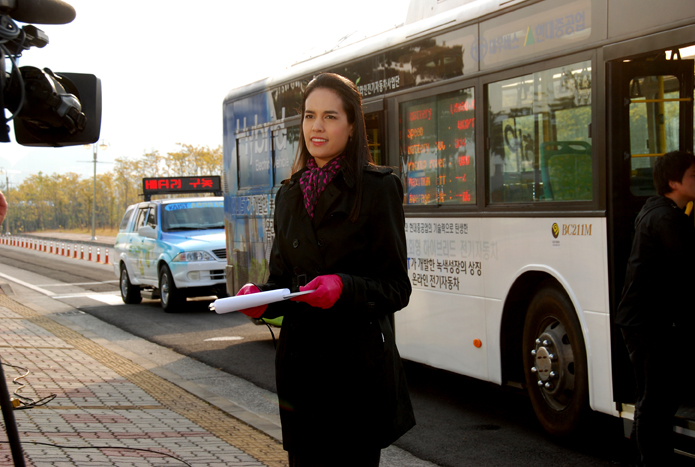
(256, 311)
(3, 208)
(327, 291)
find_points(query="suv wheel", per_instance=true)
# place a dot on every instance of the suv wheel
(129, 293)
(172, 298)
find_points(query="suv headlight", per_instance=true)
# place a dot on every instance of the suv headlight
(189, 256)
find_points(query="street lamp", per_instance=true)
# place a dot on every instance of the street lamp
(95, 149)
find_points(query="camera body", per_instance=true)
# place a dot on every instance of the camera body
(48, 109)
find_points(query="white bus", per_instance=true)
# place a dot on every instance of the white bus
(524, 132)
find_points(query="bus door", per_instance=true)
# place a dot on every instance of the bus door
(650, 112)
(376, 130)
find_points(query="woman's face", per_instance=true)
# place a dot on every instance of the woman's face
(325, 125)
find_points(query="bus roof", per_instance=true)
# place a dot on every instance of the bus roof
(424, 17)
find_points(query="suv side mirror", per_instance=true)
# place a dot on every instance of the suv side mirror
(147, 231)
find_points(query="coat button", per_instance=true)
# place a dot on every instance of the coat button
(295, 243)
(297, 270)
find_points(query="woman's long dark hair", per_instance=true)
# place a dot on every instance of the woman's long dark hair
(357, 153)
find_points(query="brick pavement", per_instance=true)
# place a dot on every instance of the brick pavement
(109, 411)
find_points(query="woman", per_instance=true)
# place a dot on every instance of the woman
(339, 230)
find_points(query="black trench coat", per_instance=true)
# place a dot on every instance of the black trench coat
(339, 376)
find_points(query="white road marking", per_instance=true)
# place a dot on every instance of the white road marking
(108, 298)
(112, 298)
(225, 338)
(26, 284)
(79, 283)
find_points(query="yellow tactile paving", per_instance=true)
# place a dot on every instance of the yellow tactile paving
(229, 429)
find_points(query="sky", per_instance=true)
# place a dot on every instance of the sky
(166, 65)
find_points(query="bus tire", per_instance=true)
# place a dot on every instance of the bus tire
(172, 298)
(129, 293)
(555, 365)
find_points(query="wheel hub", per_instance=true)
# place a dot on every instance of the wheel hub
(544, 364)
(553, 362)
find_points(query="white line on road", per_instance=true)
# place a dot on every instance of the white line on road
(224, 338)
(26, 284)
(108, 298)
(115, 281)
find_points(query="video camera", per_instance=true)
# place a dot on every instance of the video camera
(48, 109)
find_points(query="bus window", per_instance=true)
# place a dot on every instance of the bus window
(285, 143)
(373, 124)
(654, 127)
(438, 149)
(538, 128)
(254, 161)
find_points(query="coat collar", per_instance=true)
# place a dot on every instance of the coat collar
(344, 181)
(348, 176)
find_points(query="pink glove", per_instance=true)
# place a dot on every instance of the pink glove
(256, 311)
(328, 290)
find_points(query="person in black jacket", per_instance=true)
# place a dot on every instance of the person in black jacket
(656, 304)
(339, 230)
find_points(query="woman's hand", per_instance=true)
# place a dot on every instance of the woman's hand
(256, 311)
(327, 291)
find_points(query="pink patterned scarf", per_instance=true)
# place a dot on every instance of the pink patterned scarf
(314, 181)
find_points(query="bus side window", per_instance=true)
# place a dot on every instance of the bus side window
(373, 125)
(540, 148)
(566, 170)
(285, 144)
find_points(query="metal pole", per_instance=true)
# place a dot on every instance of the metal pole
(10, 424)
(94, 198)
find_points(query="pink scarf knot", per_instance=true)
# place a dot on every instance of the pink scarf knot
(314, 181)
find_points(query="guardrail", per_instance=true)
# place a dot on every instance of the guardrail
(70, 249)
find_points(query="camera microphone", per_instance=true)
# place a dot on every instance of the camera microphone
(38, 11)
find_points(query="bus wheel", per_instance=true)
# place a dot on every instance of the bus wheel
(129, 293)
(172, 298)
(554, 359)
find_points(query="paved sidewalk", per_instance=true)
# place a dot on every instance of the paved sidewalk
(109, 411)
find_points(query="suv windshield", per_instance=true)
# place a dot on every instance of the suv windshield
(196, 215)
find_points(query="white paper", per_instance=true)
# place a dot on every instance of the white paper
(241, 302)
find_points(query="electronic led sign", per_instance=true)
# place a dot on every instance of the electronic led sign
(174, 185)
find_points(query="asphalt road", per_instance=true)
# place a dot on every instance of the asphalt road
(461, 421)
